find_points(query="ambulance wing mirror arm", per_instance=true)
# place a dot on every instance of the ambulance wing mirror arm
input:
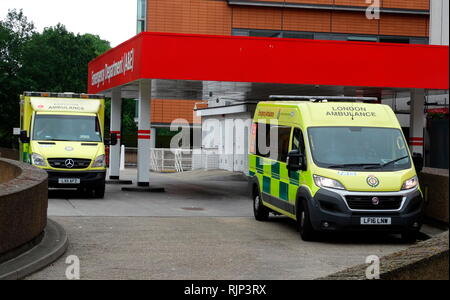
(23, 137)
(418, 162)
(296, 161)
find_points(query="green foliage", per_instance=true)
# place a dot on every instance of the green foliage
(15, 32)
(55, 60)
(129, 128)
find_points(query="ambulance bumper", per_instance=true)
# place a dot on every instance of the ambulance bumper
(349, 211)
(85, 178)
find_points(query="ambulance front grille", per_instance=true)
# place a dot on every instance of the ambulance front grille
(368, 203)
(69, 163)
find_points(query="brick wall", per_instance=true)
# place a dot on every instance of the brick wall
(23, 204)
(217, 17)
(189, 16)
(167, 110)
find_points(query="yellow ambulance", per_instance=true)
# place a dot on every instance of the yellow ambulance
(334, 164)
(63, 133)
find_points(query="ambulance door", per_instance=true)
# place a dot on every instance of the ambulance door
(294, 176)
(280, 170)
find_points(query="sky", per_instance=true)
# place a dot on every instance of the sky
(112, 20)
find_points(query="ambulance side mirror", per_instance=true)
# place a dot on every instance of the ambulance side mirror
(23, 137)
(418, 162)
(296, 161)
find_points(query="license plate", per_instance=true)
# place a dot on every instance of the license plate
(376, 221)
(69, 180)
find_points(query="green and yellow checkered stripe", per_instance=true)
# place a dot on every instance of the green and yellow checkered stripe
(274, 178)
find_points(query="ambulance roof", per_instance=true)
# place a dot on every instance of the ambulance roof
(65, 105)
(310, 114)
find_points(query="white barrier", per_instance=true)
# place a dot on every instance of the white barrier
(170, 160)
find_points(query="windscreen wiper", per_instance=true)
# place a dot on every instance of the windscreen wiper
(352, 165)
(59, 140)
(380, 166)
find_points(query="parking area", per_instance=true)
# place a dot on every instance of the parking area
(202, 227)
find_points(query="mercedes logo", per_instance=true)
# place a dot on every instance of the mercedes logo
(375, 201)
(69, 163)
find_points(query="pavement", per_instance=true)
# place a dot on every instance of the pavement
(202, 227)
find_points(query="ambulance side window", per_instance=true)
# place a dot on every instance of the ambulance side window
(298, 141)
(262, 137)
(284, 134)
(272, 141)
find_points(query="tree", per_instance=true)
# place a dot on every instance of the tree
(57, 60)
(15, 32)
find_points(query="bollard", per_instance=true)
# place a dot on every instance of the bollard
(122, 157)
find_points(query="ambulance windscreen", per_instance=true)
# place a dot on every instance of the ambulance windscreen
(359, 148)
(66, 128)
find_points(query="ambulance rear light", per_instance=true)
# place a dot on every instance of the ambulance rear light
(64, 95)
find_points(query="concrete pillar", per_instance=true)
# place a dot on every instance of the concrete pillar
(439, 22)
(417, 122)
(143, 156)
(153, 138)
(115, 127)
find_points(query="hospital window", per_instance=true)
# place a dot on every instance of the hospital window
(141, 15)
(328, 36)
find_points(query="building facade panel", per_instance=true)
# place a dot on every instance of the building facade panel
(351, 2)
(353, 22)
(405, 25)
(218, 17)
(257, 17)
(164, 111)
(307, 20)
(407, 4)
(189, 16)
(323, 2)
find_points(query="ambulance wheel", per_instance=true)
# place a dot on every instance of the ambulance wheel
(259, 210)
(84, 192)
(410, 236)
(99, 192)
(305, 227)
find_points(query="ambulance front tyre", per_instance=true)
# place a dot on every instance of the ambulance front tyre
(99, 192)
(259, 210)
(409, 236)
(304, 224)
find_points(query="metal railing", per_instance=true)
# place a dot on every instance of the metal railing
(170, 160)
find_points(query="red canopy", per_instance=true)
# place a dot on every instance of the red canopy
(270, 60)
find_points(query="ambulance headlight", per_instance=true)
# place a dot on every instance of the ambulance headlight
(328, 182)
(99, 162)
(410, 183)
(38, 160)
